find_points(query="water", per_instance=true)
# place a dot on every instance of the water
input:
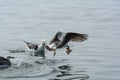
(97, 58)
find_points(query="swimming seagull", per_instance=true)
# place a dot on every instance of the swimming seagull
(36, 49)
(5, 62)
(61, 40)
(41, 49)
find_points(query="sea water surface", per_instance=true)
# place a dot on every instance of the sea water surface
(98, 58)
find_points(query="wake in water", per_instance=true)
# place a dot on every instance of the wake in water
(16, 51)
(29, 67)
(23, 66)
(53, 72)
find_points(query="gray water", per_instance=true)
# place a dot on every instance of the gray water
(98, 58)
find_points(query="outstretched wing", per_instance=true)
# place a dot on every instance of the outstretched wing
(72, 37)
(31, 45)
(54, 39)
(77, 37)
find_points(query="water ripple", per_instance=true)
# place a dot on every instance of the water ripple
(66, 73)
(44, 68)
(37, 68)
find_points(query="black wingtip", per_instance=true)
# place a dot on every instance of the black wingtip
(85, 36)
(25, 41)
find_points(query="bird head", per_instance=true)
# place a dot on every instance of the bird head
(9, 57)
(43, 42)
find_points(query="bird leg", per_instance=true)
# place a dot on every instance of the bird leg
(54, 52)
(68, 50)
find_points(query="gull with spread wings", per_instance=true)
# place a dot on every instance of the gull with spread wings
(61, 40)
(35, 49)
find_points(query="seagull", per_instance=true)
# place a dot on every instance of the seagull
(61, 40)
(41, 49)
(5, 62)
(36, 49)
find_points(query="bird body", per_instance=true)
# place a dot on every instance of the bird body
(35, 49)
(40, 51)
(4, 62)
(61, 40)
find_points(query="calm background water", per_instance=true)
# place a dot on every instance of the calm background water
(98, 58)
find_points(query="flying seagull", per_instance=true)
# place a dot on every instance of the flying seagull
(36, 49)
(61, 40)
